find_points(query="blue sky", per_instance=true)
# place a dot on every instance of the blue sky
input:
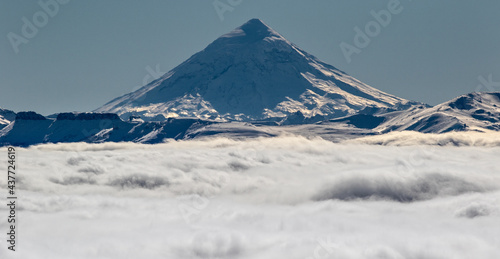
(89, 52)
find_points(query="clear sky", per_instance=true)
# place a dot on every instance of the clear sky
(85, 53)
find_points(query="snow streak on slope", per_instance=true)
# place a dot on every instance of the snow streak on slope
(251, 73)
(265, 198)
(6, 117)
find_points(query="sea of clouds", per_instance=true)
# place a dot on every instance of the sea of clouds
(286, 197)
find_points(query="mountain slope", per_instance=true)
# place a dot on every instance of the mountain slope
(251, 73)
(6, 117)
(474, 111)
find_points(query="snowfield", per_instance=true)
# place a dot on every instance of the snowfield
(284, 197)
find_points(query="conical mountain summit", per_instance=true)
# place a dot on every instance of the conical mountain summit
(251, 73)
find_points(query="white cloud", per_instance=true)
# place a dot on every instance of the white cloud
(407, 138)
(288, 197)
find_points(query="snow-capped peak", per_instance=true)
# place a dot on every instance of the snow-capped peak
(252, 31)
(251, 73)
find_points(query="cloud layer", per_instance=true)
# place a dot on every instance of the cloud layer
(408, 138)
(287, 197)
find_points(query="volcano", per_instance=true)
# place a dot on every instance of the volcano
(252, 73)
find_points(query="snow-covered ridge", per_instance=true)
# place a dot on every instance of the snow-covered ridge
(474, 111)
(31, 128)
(478, 112)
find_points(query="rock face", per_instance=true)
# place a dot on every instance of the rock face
(87, 116)
(33, 116)
(252, 73)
